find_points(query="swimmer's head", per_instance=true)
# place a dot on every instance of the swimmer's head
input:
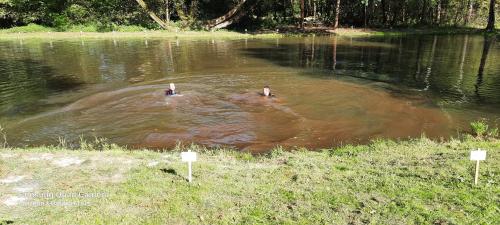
(172, 86)
(267, 91)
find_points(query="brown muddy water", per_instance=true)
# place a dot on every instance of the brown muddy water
(329, 90)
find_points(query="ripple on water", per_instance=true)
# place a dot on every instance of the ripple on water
(141, 116)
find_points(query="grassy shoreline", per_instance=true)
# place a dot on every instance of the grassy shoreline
(143, 34)
(386, 182)
(49, 33)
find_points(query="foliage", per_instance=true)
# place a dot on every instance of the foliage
(98, 144)
(61, 22)
(105, 14)
(3, 137)
(481, 129)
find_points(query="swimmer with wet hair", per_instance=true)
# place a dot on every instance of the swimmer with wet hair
(171, 90)
(267, 92)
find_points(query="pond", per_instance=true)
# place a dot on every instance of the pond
(329, 90)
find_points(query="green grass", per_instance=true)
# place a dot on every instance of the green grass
(33, 31)
(119, 31)
(409, 31)
(35, 28)
(30, 28)
(386, 182)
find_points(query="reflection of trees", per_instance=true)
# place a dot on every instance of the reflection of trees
(429, 67)
(25, 82)
(418, 59)
(334, 55)
(428, 63)
(488, 40)
(461, 70)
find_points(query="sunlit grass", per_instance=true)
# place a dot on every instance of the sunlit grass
(359, 32)
(386, 182)
(130, 32)
(34, 31)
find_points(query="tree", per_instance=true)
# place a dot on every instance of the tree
(302, 9)
(167, 11)
(107, 14)
(365, 13)
(337, 13)
(469, 12)
(152, 14)
(491, 17)
(230, 17)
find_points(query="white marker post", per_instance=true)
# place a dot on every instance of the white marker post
(189, 157)
(478, 156)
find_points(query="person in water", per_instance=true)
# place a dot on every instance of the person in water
(171, 90)
(267, 92)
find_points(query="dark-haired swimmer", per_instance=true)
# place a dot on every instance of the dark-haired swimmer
(267, 92)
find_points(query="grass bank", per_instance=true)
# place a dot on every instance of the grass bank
(40, 32)
(33, 31)
(142, 34)
(409, 31)
(407, 182)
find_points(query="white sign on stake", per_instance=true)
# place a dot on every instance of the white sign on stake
(477, 156)
(189, 157)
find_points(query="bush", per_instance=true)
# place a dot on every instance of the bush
(61, 22)
(84, 28)
(77, 13)
(481, 129)
(104, 26)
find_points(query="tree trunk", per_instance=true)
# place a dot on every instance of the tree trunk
(371, 10)
(423, 12)
(438, 15)
(314, 10)
(365, 16)
(179, 8)
(152, 14)
(337, 13)
(230, 17)
(302, 6)
(491, 17)
(167, 11)
(384, 13)
(193, 9)
(469, 12)
(403, 17)
(458, 14)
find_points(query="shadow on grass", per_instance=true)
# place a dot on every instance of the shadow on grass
(170, 171)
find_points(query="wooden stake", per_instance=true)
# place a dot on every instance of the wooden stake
(190, 176)
(477, 172)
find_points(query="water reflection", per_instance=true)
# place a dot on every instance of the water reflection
(25, 82)
(486, 48)
(425, 63)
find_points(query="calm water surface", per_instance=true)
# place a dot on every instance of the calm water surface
(329, 90)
